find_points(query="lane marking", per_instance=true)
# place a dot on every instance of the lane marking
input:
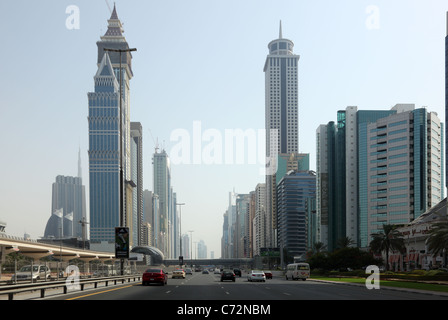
(104, 291)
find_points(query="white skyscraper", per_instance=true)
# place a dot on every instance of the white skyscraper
(282, 116)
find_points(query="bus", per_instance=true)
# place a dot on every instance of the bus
(297, 271)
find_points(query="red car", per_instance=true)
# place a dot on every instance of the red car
(154, 276)
(268, 274)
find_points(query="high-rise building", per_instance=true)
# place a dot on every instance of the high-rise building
(281, 117)
(365, 146)
(259, 223)
(294, 191)
(106, 158)
(446, 99)
(137, 178)
(68, 209)
(162, 187)
(404, 171)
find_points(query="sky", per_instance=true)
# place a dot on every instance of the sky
(198, 70)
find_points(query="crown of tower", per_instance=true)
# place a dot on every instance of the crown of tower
(114, 28)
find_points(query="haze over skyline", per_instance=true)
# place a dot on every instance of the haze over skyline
(199, 65)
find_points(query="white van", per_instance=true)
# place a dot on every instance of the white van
(296, 271)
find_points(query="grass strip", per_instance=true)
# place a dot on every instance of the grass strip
(391, 283)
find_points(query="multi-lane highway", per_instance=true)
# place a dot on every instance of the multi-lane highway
(209, 287)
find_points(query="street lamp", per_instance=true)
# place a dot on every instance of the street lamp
(120, 51)
(191, 246)
(180, 226)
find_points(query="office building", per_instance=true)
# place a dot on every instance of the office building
(294, 191)
(281, 117)
(345, 162)
(162, 187)
(137, 178)
(110, 190)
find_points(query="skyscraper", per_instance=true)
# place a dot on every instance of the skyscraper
(162, 188)
(68, 207)
(105, 151)
(281, 116)
(294, 190)
(137, 177)
(376, 167)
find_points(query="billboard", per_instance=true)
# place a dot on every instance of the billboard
(121, 242)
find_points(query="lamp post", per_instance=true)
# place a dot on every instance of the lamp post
(120, 51)
(191, 246)
(180, 227)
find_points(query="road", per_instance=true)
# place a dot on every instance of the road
(209, 287)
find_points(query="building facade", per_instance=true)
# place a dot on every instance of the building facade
(358, 170)
(109, 139)
(281, 117)
(294, 191)
(68, 208)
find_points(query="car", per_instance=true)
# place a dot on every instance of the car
(237, 272)
(227, 275)
(178, 273)
(205, 271)
(217, 271)
(154, 275)
(256, 275)
(268, 274)
(188, 271)
(40, 272)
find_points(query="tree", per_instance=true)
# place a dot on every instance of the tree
(345, 242)
(437, 240)
(389, 239)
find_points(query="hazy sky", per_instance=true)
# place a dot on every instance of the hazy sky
(198, 62)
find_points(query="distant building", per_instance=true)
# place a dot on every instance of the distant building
(294, 191)
(68, 208)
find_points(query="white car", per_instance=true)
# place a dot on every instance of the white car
(179, 273)
(256, 275)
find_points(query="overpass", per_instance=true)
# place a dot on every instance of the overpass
(230, 262)
(37, 250)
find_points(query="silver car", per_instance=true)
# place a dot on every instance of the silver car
(256, 275)
(40, 272)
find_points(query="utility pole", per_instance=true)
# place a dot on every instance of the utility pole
(180, 232)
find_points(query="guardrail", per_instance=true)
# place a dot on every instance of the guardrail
(19, 288)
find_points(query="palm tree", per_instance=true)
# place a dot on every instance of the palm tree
(345, 242)
(437, 240)
(389, 239)
(319, 247)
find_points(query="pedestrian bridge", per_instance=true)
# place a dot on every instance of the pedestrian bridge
(157, 258)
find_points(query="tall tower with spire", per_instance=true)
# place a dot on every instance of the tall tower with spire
(104, 136)
(281, 117)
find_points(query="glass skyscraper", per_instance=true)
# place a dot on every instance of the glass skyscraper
(295, 190)
(104, 136)
(377, 167)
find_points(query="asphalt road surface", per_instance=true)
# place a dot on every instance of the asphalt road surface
(209, 287)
